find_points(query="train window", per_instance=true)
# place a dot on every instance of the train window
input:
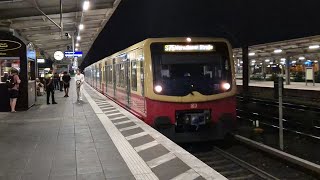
(118, 75)
(122, 75)
(134, 75)
(142, 76)
(109, 74)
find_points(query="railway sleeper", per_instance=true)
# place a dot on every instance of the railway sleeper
(245, 177)
(216, 162)
(240, 172)
(226, 166)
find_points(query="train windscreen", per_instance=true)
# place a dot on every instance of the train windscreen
(181, 69)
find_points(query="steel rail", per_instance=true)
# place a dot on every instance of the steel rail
(280, 154)
(245, 165)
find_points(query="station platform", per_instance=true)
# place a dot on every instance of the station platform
(91, 139)
(293, 85)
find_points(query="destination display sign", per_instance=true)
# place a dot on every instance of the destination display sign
(188, 48)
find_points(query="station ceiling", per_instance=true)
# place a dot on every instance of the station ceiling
(28, 19)
(300, 49)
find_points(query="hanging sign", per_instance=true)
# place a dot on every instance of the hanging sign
(73, 54)
(7, 45)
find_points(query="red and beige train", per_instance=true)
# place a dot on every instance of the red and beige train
(183, 87)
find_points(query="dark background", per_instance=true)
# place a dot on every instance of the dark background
(242, 22)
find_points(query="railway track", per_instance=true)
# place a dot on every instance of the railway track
(272, 122)
(286, 105)
(232, 167)
(297, 119)
(241, 160)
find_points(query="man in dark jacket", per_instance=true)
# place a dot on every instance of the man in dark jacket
(50, 87)
(66, 83)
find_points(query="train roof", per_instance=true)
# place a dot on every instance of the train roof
(165, 39)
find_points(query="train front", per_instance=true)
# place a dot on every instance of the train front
(191, 88)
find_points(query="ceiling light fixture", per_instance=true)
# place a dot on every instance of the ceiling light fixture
(77, 44)
(78, 38)
(86, 5)
(81, 27)
(302, 58)
(252, 54)
(277, 51)
(314, 47)
(267, 60)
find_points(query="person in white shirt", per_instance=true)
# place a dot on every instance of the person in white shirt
(79, 78)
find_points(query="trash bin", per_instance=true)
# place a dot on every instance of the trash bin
(276, 86)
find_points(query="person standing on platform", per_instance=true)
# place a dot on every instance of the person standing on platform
(56, 80)
(66, 83)
(50, 87)
(61, 81)
(13, 86)
(79, 78)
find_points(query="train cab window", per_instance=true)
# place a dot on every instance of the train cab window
(180, 73)
(134, 75)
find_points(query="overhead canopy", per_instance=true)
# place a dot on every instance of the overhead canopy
(248, 22)
(38, 21)
(306, 48)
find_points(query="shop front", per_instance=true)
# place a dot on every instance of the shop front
(19, 54)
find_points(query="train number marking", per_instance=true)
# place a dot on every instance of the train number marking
(193, 105)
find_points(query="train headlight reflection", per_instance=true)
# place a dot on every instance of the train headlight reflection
(158, 88)
(226, 86)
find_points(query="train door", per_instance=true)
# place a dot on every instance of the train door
(142, 82)
(103, 79)
(106, 76)
(94, 76)
(91, 76)
(127, 80)
(114, 76)
(100, 76)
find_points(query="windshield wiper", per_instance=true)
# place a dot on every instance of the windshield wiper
(191, 89)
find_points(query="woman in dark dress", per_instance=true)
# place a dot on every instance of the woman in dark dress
(66, 83)
(14, 90)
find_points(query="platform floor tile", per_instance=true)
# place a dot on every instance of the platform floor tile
(58, 142)
(161, 163)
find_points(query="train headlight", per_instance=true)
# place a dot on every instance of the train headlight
(226, 86)
(158, 88)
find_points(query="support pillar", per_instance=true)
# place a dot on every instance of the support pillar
(264, 70)
(288, 71)
(245, 69)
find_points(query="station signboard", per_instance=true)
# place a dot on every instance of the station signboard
(73, 54)
(41, 60)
